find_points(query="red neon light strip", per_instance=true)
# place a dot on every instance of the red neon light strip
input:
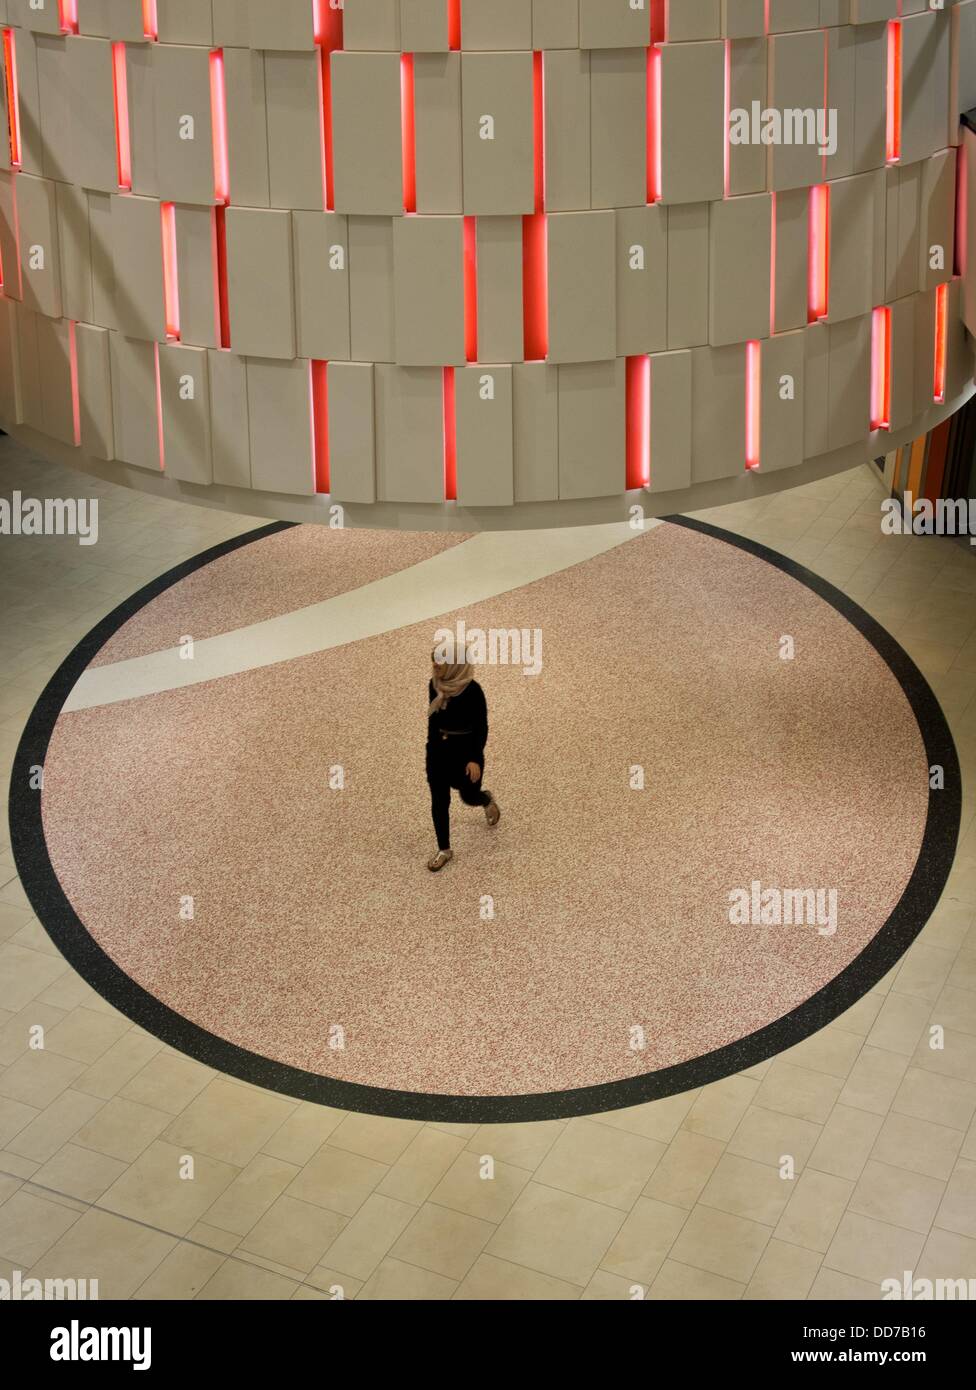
(408, 133)
(941, 343)
(881, 369)
(653, 125)
(753, 402)
(171, 279)
(75, 392)
(726, 142)
(159, 411)
(218, 122)
(13, 95)
(123, 149)
(68, 16)
(894, 83)
(658, 21)
(327, 28)
(471, 289)
(539, 129)
(150, 24)
(220, 260)
(454, 24)
(320, 423)
(535, 235)
(818, 252)
(638, 421)
(450, 437)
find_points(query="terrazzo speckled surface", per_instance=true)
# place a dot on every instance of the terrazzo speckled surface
(313, 907)
(292, 569)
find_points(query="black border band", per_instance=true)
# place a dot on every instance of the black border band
(75, 943)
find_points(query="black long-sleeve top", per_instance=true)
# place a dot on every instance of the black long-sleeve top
(466, 713)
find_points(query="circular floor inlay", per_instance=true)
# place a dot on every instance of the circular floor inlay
(581, 956)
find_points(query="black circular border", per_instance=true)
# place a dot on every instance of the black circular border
(73, 940)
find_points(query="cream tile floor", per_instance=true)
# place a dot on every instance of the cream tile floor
(679, 1199)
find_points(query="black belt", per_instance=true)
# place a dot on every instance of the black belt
(454, 733)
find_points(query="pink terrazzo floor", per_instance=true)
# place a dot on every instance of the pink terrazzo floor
(292, 569)
(314, 908)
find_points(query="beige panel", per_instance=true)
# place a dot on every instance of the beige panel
(292, 87)
(185, 21)
(496, 24)
(91, 132)
(852, 244)
(103, 268)
(835, 11)
(74, 240)
(142, 118)
(124, 19)
(135, 416)
(968, 252)
(743, 19)
(959, 350)
(31, 149)
(184, 138)
(284, 24)
(700, 20)
(535, 411)
(792, 235)
(718, 430)
(747, 83)
(428, 268)
(423, 26)
(925, 84)
(908, 244)
(781, 411)
(437, 131)
(229, 435)
(687, 275)
(259, 282)
(796, 82)
(371, 24)
(485, 443)
(279, 404)
(247, 127)
(962, 73)
(367, 151)
(555, 24)
(9, 257)
(499, 173)
(40, 255)
(849, 408)
(39, 15)
(54, 369)
(31, 400)
(618, 129)
(95, 391)
(321, 284)
(816, 387)
(185, 395)
(352, 432)
(841, 70)
(892, 178)
(592, 429)
(567, 89)
(693, 112)
(870, 96)
(501, 336)
(582, 287)
(137, 254)
(231, 24)
(903, 363)
(55, 111)
(642, 280)
(613, 24)
(938, 216)
(925, 316)
(785, 15)
(870, 11)
(409, 434)
(11, 407)
(739, 269)
(670, 421)
(196, 250)
(371, 289)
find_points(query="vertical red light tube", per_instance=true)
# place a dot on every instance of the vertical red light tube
(818, 253)
(408, 128)
(753, 403)
(471, 289)
(638, 421)
(881, 369)
(454, 25)
(123, 149)
(653, 124)
(941, 343)
(327, 31)
(68, 16)
(150, 24)
(450, 437)
(535, 235)
(171, 279)
(75, 392)
(218, 121)
(319, 378)
(894, 93)
(13, 95)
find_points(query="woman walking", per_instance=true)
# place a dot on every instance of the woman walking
(457, 731)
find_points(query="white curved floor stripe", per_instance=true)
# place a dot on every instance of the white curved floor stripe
(492, 563)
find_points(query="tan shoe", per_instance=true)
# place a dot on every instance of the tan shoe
(493, 812)
(442, 857)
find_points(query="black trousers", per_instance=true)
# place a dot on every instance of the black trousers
(447, 769)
